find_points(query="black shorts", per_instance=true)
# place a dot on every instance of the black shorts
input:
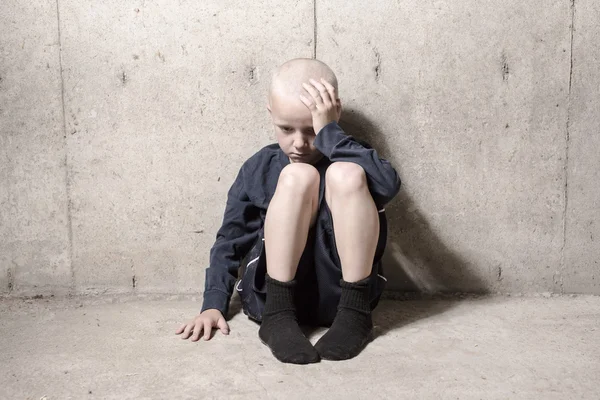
(318, 276)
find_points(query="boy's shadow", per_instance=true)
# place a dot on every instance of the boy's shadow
(417, 263)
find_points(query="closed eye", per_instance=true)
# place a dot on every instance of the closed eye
(286, 129)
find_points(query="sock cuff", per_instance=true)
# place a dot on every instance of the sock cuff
(275, 282)
(280, 296)
(355, 295)
(358, 284)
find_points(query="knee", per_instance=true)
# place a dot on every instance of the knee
(345, 177)
(299, 178)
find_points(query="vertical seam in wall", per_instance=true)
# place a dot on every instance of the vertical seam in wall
(66, 162)
(567, 140)
(314, 29)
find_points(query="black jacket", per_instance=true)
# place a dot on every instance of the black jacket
(250, 194)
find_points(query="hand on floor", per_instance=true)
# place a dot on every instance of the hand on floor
(205, 322)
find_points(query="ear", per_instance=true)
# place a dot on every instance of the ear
(338, 106)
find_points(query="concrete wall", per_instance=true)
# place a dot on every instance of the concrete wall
(123, 124)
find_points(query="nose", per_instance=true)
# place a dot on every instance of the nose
(299, 140)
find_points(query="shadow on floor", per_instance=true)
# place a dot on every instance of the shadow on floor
(235, 306)
(391, 315)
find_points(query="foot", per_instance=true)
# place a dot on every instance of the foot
(285, 339)
(350, 332)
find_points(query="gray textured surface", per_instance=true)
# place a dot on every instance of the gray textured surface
(162, 109)
(477, 104)
(469, 99)
(490, 348)
(34, 238)
(582, 251)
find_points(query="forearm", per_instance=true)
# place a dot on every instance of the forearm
(239, 230)
(334, 143)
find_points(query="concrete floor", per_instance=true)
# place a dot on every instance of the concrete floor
(473, 348)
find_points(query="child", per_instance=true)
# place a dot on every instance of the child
(307, 213)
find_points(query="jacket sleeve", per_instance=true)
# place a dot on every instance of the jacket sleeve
(383, 180)
(238, 232)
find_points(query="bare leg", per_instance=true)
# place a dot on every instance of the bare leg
(355, 219)
(292, 211)
(356, 227)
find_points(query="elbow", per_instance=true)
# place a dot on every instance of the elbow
(393, 186)
(397, 185)
(386, 192)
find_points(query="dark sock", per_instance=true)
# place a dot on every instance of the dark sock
(279, 328)
(352, 326)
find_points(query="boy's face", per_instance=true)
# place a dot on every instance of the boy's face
(293, 128)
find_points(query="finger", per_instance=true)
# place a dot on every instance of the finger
(330, 89)
(309, 104)
(187, 331)
(313, 92)
(222, 324)
(180, 329)
(322, 92)
(207, 330)
(197, 330)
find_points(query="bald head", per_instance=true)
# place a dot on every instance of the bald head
(288, 78)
